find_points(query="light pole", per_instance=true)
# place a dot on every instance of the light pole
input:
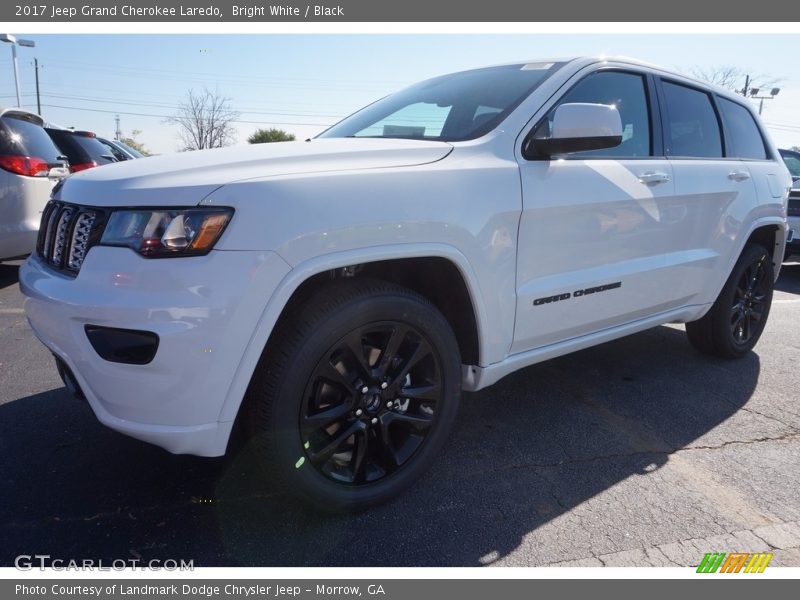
(754, 95)
(7, 37)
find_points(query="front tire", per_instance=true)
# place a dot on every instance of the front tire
(356, 394)
(736, 321)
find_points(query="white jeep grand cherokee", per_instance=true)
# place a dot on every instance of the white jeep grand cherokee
(335, 295)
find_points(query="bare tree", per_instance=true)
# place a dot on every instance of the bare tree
(733, 78)
(727, 76)
(205, 120)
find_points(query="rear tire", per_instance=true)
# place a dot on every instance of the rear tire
(320, 435)
(733, 325)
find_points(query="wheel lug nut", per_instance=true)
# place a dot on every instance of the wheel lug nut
(374, 420)
(364, 390)
(389, 404)
(359, 412)
(384, 385)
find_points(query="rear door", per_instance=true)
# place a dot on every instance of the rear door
(746, 142)
(714, 189)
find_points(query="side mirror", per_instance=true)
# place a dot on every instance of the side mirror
(577, 127)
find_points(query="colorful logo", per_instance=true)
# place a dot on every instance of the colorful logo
(735, 562)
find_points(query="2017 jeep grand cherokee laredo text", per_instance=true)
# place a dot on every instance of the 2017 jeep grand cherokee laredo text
(336, 295)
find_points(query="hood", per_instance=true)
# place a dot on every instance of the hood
(185, 178)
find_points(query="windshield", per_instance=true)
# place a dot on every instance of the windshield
(460, 106)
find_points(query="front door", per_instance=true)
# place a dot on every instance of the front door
(597, 226)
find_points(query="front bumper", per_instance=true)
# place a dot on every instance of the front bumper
(204, 311)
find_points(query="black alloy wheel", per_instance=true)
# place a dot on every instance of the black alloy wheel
(734, 323)
(750, 298)
(370, 402)
(355, 394)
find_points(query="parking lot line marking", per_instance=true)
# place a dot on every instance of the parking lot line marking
(786, 301)
(12, 311)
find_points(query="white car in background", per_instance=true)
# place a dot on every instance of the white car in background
(30, 165)
(336, 295)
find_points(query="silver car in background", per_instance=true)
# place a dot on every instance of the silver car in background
(30, 166)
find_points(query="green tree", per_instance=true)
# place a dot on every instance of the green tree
(134, 142)
(266, 136)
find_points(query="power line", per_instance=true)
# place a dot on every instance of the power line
(782, 128)
(164, 97)
(138, 114)
(204, 79)
(337, 81)
(178, 106)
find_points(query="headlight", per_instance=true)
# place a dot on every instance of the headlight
(168, 232)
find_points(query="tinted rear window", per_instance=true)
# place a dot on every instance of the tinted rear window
(80, 149)
(95, 148)
(742, 131)
(19, 137)
(67, 145)
(693, 128)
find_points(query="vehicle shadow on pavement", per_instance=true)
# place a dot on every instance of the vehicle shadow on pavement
(536, 445)
(789, 279)
(8, 274)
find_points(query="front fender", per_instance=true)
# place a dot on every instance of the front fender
(303, 271)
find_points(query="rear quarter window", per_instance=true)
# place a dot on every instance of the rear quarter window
(742, 132)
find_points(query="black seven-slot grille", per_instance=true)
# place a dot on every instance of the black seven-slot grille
(794, 203)
(66, 233)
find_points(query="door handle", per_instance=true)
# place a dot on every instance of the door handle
(739, 175)
(653, 178)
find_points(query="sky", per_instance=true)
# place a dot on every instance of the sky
(303, 83)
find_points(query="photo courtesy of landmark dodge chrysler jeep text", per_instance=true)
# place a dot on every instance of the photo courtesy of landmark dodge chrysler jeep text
(335, 296)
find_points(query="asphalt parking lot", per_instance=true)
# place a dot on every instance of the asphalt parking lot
(639, 452)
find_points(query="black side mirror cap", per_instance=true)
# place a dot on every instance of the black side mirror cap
(549, 147)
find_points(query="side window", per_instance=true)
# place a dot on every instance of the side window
(742, 131)
(792, 161)
(693, 128)
(628, 93)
